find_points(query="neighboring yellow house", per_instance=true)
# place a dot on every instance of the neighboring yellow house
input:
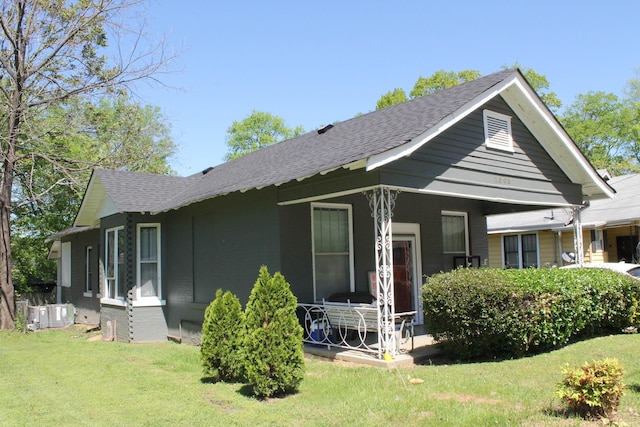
(544, 238)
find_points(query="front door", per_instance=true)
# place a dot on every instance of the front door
(626, 246)
(406, 272)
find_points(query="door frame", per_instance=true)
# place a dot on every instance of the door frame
(411, 231)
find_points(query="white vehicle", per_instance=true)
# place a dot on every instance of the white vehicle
(620, 267)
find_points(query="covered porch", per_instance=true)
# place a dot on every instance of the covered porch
(380, 318)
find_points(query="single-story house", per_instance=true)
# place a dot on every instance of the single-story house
(544, 238)
(398, 194)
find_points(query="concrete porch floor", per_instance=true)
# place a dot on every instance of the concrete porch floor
(424, 349)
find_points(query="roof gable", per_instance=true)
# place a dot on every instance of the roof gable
(112, 191)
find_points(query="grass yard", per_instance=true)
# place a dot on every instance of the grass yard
(56, 378)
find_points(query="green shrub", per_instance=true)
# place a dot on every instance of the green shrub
(222, 338)
(486, 313)
(274, 359)
(594, 390)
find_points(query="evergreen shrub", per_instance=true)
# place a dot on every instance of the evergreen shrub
(223, 329)
(487, 313)
(274, 357)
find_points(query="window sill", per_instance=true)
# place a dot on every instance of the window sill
(148, 302)
(88, 294)
(111, 301)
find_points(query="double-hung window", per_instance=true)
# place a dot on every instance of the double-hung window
(332, 249)
(149, 268)
(455, 233)
(520, 250)
(115, 263)
(88, 271)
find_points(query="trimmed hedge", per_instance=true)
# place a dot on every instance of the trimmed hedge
(488, 313)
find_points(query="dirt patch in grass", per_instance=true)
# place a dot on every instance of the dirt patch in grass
(466, 398)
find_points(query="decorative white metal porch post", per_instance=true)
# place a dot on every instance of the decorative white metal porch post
(577, 236)
(382, 201)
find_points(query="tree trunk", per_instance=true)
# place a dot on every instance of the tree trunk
(7, 305)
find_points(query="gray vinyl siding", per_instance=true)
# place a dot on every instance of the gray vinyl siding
(219, 243)
(87, 307)
(425, 210)
(458, 163)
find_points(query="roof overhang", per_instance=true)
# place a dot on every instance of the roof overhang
(523, 100)
(96, 204)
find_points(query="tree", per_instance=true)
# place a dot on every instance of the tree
(221, 352)
(604, 127)
(540, 84)
(442, 80)
(397, 96)
(51, 52)
(112, 133)
(274, 359)
(445, 79)
(257, 130)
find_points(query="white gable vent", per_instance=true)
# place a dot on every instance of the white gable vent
(497, 131)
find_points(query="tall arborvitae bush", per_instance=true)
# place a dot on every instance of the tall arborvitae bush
(274, 358)
(223, 330)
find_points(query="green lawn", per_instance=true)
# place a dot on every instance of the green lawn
(57, 378)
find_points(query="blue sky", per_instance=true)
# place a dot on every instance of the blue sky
(313, 63)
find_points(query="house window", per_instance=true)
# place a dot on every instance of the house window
(115, 274)
(455, 233)
(332, 249)
(520, 250)
(597, 240)
(65, 264)
(88, 271)
(149, 277)
(497, 131)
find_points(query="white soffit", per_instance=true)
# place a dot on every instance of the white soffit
(554, 139)
(96, 204)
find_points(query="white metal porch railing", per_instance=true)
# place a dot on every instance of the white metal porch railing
(352, 326)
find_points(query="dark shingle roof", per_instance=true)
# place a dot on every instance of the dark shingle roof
(141, 192)
(347, 142)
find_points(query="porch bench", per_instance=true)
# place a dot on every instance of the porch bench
(363, 318)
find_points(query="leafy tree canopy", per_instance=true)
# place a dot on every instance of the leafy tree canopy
(442, 79)
(397, 96)
(77, 136)
(52, 52)
(259, 129)
(605, 128)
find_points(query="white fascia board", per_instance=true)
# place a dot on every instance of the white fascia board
(544, 126)
(389, 156)
(90, 202)
(95, 204)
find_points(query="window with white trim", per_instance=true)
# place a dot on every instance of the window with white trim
(115, 263)
(148, 258)
(332, 249)
(88, 271)
(597, 240)
(520, 250)
(65, 264)
(455, 233)
(497, 131)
